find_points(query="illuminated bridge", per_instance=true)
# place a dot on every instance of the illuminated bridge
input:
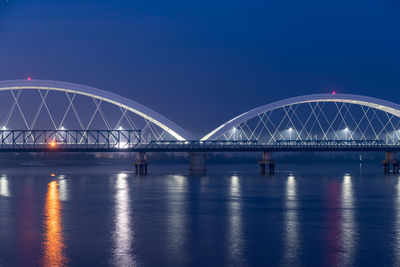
(51, 116)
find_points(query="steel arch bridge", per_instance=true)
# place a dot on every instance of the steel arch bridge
(52, 116)
(74, 110)
(324, 117)
(37, 114)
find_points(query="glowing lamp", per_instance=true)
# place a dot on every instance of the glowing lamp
(29, 78)
(334, 93)
(53, 144)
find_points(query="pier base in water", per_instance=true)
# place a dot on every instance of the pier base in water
(141, 164)
(390, 160)
(267, 161)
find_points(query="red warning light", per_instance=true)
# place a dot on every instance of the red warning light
(29, 78)
(334, 93)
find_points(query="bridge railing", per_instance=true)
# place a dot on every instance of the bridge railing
(281, 145)
(330, 143)
(202, 144)
(276, 143)
(123, 139)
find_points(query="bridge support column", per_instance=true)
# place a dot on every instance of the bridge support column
(198, 162)
(390, 159)
(141, 163)
(267, 160)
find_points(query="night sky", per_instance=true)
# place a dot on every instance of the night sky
(200, 63)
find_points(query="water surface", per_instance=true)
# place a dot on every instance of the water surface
(303, 216)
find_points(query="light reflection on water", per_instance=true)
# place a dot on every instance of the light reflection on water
(63, 186)
(4, 187)
(234, 234)
(54, 247)
(397, 225)
(342, 223)
(5, 209)
(123, 233)
(291, 224)
(348, 227)
(177, 219)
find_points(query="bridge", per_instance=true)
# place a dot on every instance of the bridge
(52, 116)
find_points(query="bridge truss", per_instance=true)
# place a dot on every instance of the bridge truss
(322, 117)
(39, 104)
(69, 140)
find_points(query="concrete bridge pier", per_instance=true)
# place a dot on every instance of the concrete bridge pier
(141, 163)
(390, 159)
(267, 160)
(198, 162)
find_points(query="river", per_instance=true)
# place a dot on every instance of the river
(315, 215)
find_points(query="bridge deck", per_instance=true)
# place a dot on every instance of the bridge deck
(131, 141)
(198, 146)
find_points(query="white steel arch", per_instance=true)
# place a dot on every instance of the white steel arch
(120, 101)
(379, 104)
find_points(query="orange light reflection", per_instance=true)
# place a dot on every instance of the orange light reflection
(54, 246)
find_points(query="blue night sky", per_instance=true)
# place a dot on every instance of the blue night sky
(200, 63)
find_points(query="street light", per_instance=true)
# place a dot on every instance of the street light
(4, 129)
(346, 130)
(64, 136)
(53, 143)
(234, 130)
(290, 133)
